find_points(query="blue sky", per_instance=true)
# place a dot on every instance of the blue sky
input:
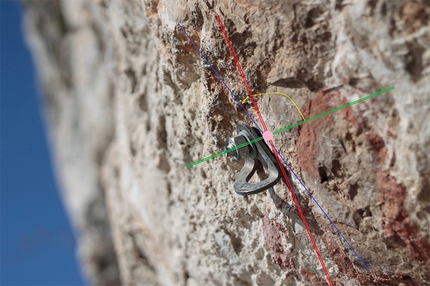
(37, 243)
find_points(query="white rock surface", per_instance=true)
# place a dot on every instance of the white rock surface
(130, 102)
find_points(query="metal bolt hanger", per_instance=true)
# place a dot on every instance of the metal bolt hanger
(252, 153)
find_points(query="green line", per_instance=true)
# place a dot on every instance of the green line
(292, 126)
(333, 110)
(224, 152)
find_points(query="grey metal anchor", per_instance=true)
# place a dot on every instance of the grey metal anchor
(257, 151)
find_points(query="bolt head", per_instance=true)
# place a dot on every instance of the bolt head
(234, 142)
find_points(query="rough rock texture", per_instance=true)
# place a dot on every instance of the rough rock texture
(130, 102)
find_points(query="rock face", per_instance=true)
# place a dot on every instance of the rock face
(130, 102)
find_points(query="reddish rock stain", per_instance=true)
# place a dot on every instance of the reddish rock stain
(347, 267)
(341, 259)
(309, 135)
(397, 226)
(272, 235)
(311, 277)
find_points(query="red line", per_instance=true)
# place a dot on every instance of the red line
(281, 166)
(242, 74)
(302, 216)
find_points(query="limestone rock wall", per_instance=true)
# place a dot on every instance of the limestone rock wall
(130, 102)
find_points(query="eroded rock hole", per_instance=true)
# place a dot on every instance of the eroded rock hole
(143, 103)
(323, 174)
(336, 168)
(353, 191)
(131, 75)
(161, 132)
(313, 14)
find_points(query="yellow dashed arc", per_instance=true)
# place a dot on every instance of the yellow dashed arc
(281, 93)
